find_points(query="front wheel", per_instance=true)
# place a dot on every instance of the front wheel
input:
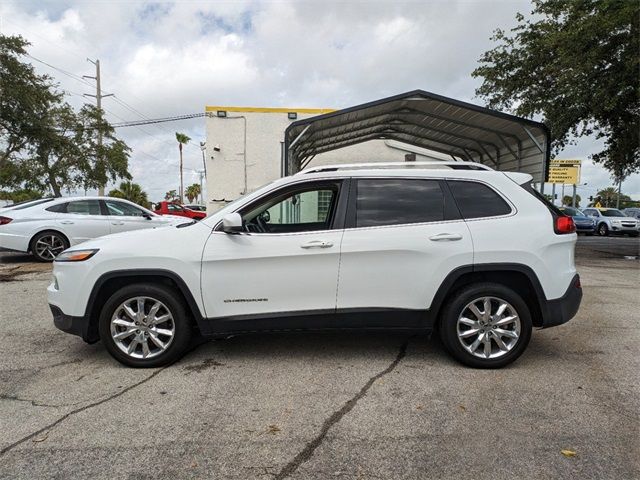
(603, 230)
(145, 325)
(486, 325)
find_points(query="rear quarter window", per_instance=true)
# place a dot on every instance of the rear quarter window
(477, 200)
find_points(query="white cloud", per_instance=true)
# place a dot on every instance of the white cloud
(169, 58)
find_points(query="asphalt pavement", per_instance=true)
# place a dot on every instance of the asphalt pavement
(319, 406)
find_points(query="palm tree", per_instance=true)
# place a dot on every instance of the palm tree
(192, 192)
(132, 192)
(182, 140)
(171, 196)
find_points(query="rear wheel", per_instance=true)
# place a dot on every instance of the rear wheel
(486, 325)
(46, 246)
(145, 326)
(603, 230)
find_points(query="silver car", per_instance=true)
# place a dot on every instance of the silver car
(613, 221)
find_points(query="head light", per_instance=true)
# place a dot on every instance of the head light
(76, 255)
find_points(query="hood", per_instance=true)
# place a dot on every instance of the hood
(165, 237)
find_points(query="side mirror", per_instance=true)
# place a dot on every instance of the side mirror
(232, 223)
(147, 216)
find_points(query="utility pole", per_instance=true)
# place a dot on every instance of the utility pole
(202, 174)
(203, 148)
(98, 96)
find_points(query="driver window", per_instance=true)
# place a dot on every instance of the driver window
(302, 211)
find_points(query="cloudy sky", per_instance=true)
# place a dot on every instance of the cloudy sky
(161, 59)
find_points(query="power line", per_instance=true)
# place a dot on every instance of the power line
(152, 121)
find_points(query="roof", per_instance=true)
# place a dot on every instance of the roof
(462, 130)
(216, 108)
(428, 165)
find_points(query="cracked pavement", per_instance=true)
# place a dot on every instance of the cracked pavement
(325, 405)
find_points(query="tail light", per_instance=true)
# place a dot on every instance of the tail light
(5, 220)
(564, 225)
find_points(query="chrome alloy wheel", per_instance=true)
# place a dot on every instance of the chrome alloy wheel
(142, 327)
(49, 247)
(488, 327)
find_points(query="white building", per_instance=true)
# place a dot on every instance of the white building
(244, 149)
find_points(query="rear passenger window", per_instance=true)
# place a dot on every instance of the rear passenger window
(84, 207)
(398, 201)
(59, 208)
(476, 200)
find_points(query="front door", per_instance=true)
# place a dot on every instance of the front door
(284, 264)
(403, 237)
(124, 217)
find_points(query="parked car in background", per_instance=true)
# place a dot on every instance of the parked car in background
(172, 208)
(47, 227)
(613, 221)
(584, 224)
(476, 254)
(196, 207)
(632, 212)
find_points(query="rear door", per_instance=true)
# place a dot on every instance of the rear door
(82, 220)
(403, 237)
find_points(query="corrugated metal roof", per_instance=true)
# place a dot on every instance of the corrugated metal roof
(465, 131)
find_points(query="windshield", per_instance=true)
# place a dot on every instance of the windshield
(612, 213)
(572, 212)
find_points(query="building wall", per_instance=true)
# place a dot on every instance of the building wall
(244, 150)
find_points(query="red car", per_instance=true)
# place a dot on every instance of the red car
(171, 208)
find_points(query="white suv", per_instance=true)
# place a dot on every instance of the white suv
(474, 253)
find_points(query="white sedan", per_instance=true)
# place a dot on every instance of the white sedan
(47, 227)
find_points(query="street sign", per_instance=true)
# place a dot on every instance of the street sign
(564, 171)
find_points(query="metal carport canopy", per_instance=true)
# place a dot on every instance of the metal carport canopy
(462, 130)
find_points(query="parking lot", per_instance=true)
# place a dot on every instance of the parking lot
(327, 405)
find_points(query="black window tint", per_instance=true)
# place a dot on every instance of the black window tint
(59, 208)
(84, 207)
(476, 200)
(398, 201)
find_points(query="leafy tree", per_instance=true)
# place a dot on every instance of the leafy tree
(22, 195)
(568, 200)
(132, 192)
(100, 163)
(24, 98)
(192, 192)
(182, 140)
(44, 143)
(171, 196)
(575, 63)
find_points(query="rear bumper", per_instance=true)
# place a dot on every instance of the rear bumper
(563, 309)
(74, 325)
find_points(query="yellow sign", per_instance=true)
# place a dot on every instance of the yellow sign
(564, 172)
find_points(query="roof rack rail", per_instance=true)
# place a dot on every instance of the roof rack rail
(378, 165)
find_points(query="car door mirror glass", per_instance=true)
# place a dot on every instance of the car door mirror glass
(232, 223)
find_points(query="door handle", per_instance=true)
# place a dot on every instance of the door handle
(445, 236)
(117, 223)
(317, 244)
(67, 222)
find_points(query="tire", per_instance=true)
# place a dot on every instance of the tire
(603, 230)
(634, 235)
(145, 332)
(457, 307)
(47, 245)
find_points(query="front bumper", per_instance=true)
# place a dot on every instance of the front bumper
(563, 309)
(79, 326)
(624, 229)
